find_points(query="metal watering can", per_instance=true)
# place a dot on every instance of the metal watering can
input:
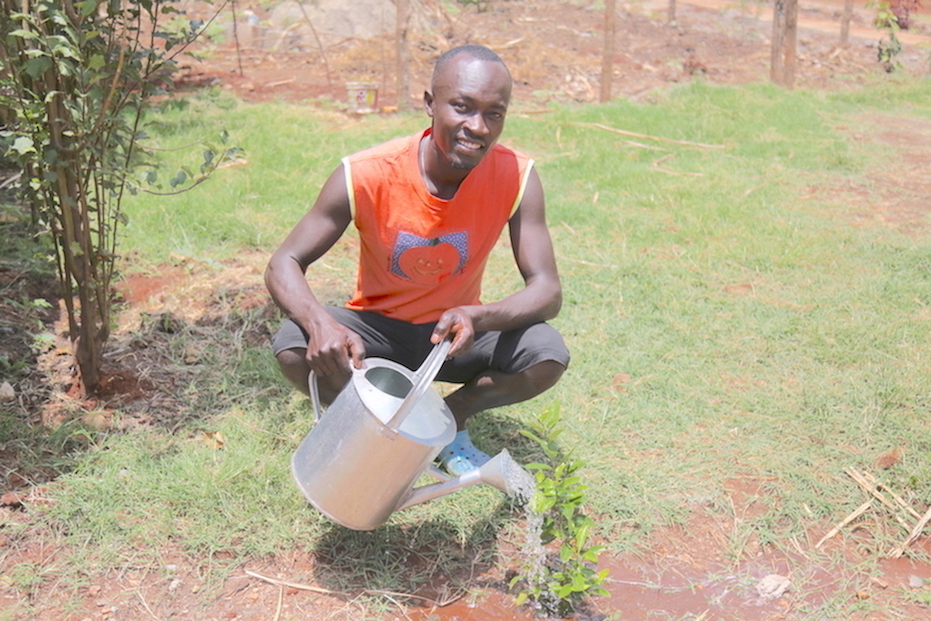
(360, 461)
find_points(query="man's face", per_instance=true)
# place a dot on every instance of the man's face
(468, 104)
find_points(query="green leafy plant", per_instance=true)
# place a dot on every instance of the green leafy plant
(903, 10)
(888, 50)
(891, 16)
(75, 80)
(566, 573)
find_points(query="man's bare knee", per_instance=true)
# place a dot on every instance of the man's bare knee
(294, 367)
(543, 376)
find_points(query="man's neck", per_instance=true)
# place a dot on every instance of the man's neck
(441, 179)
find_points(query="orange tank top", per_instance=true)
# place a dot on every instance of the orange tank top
(421, 255)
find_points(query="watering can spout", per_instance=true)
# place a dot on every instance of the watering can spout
(501, 472)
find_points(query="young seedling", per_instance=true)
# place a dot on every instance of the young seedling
(559, 582)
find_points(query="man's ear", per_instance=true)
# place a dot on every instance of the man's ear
(428, 103)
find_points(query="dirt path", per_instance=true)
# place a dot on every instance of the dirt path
(822, 16)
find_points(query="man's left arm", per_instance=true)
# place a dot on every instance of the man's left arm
(541, 297)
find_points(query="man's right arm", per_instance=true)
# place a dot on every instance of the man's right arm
(331, 345)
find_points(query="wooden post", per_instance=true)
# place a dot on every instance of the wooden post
(671, 13)
(845, 22)
(236, 38)
(785, 33)
(791, 36)
(402, 77)
(777, 52)
(607, 55)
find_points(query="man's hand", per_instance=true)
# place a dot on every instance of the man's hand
(458, 322)
(332, 348)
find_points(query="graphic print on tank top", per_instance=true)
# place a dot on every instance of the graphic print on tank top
(429, 261)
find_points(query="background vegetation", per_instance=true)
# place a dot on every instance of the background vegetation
(726, 322)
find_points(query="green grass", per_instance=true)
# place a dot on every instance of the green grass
(724, 323)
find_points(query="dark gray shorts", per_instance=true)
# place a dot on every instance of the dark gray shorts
(408, 344)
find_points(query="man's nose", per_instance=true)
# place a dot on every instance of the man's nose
(476, 124)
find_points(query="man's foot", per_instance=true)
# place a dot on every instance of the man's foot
(461, 456)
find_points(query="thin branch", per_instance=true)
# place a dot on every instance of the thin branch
(847, 520)
(388, 594)
(295, 585)
(624, 132)
(326, 65)
(868, 487)
(869, 477)
(236, 38)
(913, 535)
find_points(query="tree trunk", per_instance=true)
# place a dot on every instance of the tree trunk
(791, 36)
(402, 77)
(845, 22)
(777, 52)
(607, 55)
(785, 32)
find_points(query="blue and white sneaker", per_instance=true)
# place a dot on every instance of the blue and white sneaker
(461, 456)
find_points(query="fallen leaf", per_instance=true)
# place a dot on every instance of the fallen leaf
(889, 459)
(214, 440)
(96, 419)
(620, 382)
(192, 354)
(743, 288)
(6, 392)
(11, 499)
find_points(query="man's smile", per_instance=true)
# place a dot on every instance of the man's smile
(470, 145)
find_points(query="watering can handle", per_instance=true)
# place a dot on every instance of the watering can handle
(315, 396)
(424, 375)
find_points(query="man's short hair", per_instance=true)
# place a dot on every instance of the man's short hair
(478, 52)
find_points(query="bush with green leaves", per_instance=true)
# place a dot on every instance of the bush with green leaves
(75, 80)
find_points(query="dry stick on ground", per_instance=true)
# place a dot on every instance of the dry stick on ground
(280, 602)
(389, 594)
(656, 166)
(869, 477)
(847, 520)
(872, 489)
(293, 585)
(624, 132)
(912, 536)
